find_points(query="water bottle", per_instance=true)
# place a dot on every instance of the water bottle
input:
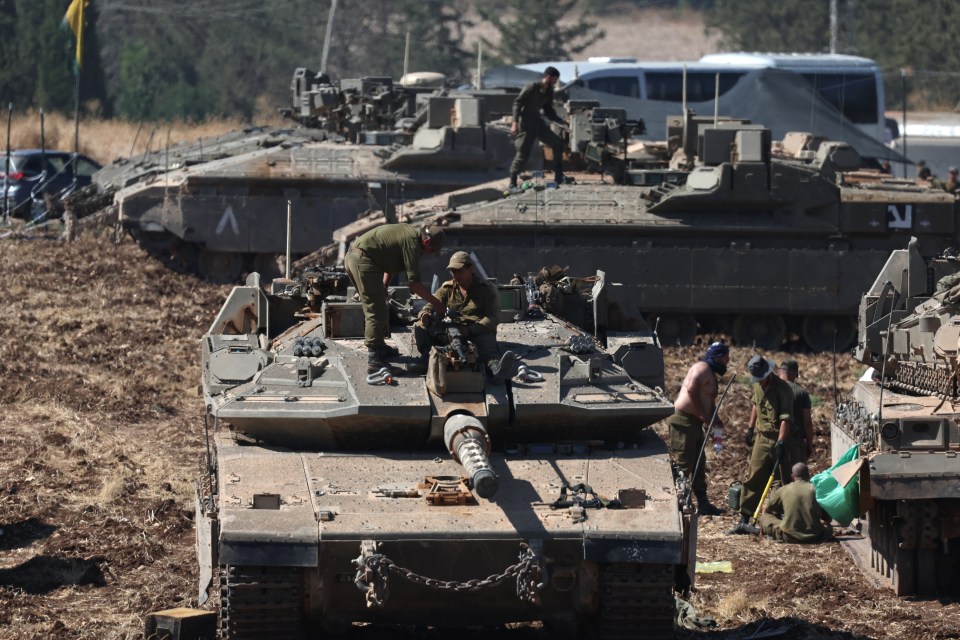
(717, 439)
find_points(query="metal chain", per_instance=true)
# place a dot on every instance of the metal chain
(373, 571)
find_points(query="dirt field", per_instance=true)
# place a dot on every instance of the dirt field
(100, 426)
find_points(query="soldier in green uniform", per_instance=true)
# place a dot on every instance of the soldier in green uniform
(477, 304)
(528, 126)
(799, 446)
(793, 514)
(770, 417)
(372, 261)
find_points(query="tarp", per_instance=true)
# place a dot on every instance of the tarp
(780, 100)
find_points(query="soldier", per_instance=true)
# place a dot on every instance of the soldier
(800, 443)
(793, 513)
(694, 407)
(372, 261)
(770, 419)
(951, 185)
(528, 126)
(477, 304)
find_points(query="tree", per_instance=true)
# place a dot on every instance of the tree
(537, 30)
(785, 25)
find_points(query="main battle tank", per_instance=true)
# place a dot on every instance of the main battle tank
(904, 417)
(219, 206)
(719, 228)
(445, 500)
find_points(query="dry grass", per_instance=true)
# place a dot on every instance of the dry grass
(105, 140)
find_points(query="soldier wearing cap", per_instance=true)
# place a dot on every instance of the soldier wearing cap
(477, 304)
(693, 409)
(800, 443)
(770, 417)
(372, 261)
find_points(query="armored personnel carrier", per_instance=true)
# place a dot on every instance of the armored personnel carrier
(447, 499)
(904, 416)
(219, 206)
(718, 228)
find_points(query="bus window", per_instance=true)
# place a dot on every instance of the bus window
(701, 85)
(855, 95)
(618, 85)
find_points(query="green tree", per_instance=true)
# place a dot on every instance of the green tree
(759, 25)
(537, 30)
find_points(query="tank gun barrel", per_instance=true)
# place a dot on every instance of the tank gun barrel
(467, 440)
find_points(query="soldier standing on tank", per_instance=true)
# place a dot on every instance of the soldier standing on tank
(477, 306)
(800, 443)
(372, 261)
(693, 409)
(529, 126)
(770, 419)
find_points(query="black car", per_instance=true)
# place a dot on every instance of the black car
(34, 172)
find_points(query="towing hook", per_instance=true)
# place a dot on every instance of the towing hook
(526, 374)
(383, 376)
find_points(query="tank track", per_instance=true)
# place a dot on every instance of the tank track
(260, 603)
(905, 546)
(634, 597)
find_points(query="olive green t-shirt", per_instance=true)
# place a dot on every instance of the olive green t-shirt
(801, 521)
(479, 309)
(393, 248)
(775, 403)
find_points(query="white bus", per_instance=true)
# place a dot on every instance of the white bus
(852, 84)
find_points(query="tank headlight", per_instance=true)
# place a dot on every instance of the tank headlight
(890, 430)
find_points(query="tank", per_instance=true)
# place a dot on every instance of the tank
(903, 415)
(717, 229)
(446, 499)
(218, 207)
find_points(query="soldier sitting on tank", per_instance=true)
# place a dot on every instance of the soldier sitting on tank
(793, 514)
(372, 261)
(475, 304)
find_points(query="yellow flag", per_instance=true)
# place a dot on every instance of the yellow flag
(74, 19)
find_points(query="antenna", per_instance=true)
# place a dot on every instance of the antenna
(289, 235)
(406, 54)
(326, 36)
(716, 99)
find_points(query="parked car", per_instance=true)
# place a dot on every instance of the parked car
(34, 172)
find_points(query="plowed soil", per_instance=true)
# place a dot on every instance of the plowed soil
(101, 442)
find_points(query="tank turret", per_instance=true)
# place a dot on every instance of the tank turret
(452, 498)
(719, 228)
(218, 206)
(903, 415)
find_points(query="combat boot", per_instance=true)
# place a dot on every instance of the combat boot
(741, 527)
(419, 366)
(505, 367)
(558, 174)
(374, 361)
(704, 508)
(387, 352)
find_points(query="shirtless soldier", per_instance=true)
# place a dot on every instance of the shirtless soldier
(693, 409)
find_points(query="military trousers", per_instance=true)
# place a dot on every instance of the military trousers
(686, 443)
(762, 460)
(368, 280)
(525, 140)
